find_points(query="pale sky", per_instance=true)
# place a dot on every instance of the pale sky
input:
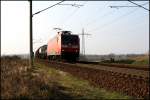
(120, 31)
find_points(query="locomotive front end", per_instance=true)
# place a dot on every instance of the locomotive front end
(70, 47)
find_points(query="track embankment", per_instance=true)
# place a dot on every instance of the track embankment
(129, 66)
(124, 83)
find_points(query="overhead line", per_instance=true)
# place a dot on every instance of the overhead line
(135, 25)
(65, 21)
(139, 5)
(145, 3)
(77, 9)
(123, 6)
(128, 6)
(96, 17)
(75, 5)
(47, 8)
(95, 20)
(115, 20)
(106, 14)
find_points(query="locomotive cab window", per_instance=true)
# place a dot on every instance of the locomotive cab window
(69, 39)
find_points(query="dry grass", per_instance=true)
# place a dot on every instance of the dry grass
(140, 60)
(19, 81)
(77, 87)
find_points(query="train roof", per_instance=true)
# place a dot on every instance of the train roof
(65, 32)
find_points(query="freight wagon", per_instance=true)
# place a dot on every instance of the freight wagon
(41, 52)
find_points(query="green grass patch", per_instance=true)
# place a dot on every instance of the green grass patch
(141, 62)
(74, 87)
(132, 62)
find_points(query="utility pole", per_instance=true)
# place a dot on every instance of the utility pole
(31, 26)
(31, 44)
(83, 41)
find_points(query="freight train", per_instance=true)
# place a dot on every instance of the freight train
(41, 52)
(64, 46)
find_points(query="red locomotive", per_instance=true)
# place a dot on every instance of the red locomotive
(64, 46)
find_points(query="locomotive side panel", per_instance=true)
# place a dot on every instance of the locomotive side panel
(54, 47)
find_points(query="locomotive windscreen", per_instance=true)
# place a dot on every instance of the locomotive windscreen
(69, 39)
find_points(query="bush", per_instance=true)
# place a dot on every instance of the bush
(11, 57)
(127, 61)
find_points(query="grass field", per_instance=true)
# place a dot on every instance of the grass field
(78, 88)
(141, 60)
(21, 82)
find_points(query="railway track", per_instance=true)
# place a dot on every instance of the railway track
(135, 72)
(121, 70)
(115, 80)
(137, 67)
